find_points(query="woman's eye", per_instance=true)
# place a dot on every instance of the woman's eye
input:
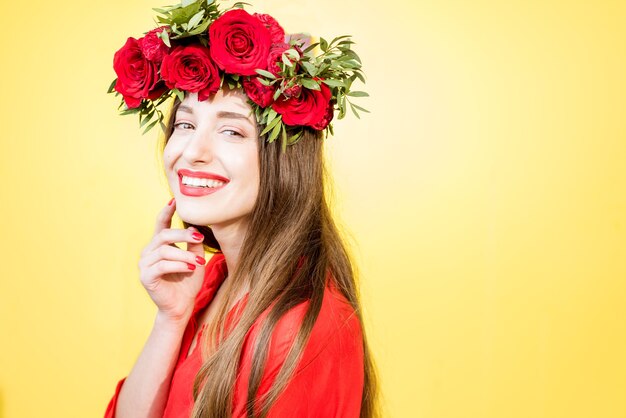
(230, 132)
(176, 125)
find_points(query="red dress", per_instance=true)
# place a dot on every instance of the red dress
(328, 381)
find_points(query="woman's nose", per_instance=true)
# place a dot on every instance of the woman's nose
(200, 147)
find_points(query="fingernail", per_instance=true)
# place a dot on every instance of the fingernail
(198, 236)
(170, 202)
(200, 260)
(191, 266)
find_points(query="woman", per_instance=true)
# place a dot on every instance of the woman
(271, 326)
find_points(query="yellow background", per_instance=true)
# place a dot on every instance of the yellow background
(485, 198)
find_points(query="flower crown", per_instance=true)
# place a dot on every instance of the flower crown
(198, 48)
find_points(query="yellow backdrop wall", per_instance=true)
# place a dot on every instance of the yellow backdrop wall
(485, 198)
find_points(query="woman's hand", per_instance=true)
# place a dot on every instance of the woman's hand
(172, 276)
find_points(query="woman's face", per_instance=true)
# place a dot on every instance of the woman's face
(211, 159)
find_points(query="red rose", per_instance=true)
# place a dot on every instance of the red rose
(276, 31)
(152, 46)
(191, 68)
(137, 77)
(292, 91)
(259, 93)
(239, 42)
(309, 109)
(323, 123)
(275, 56)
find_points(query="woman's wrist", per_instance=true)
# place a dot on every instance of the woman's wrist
(167, 323)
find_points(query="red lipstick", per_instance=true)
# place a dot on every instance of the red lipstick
(199, 191)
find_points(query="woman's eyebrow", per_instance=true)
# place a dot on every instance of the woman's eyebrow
(186, 109)
(223, 114)
(231, 115)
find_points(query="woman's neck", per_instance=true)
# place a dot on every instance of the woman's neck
(230, 238)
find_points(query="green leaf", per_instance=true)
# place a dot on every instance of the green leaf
(355, 55)
(284, 139)
(203, 41)
(310, 68)
(265, 73)
(271, 115)
(195, 19)
(264, 81)
(358, 94)
(292, 53)
(310, 47)
(163, 98)
(240, 4)
(340, 37)
(276, 130)
(271, 125)
(349, 55)
(186, 3)
(323, 44)
(310, 84)
(150, 126)
(354, 111)
(342, 107)
(360, 108)
(350, 64)
(348, 83)
(179, 94)
(201, 29)
(334, 83)
(294, 138)
(165, 37)
(360, 76)
(144, 121)
(130, 111)
(276, 94)
(112, 86)
(286, 60)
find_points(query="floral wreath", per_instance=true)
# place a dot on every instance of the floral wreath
(198, 48)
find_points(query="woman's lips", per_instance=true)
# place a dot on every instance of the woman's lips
(197, 191)
(202, 175)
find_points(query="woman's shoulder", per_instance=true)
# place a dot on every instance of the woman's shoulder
(336, 323)
(333, 352)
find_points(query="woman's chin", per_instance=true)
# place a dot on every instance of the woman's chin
(193, 218)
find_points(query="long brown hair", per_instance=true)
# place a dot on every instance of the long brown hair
(290, 223)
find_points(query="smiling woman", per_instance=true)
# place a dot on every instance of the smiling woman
(271, 326)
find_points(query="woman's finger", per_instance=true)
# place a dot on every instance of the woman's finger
(171, 236)
(164, 218)
(152, 275)
(167, 252)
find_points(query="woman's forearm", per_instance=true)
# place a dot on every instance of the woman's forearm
(145, 390)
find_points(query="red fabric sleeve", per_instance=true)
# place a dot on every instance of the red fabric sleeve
(110, 412)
